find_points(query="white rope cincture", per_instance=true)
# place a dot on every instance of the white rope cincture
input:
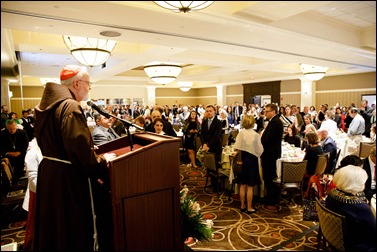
(57, 159)
(95, 236)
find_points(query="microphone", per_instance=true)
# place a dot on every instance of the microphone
(99, 110)
(107, 115)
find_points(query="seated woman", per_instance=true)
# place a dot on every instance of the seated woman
(312, 153)
(348, 199)
(292, 137)
(158, 126)
(308, 128)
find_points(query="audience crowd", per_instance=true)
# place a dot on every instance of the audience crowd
(312, 130)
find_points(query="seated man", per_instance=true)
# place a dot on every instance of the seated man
(102, 132)
(14, 144)
(328, 146)
(168, 128)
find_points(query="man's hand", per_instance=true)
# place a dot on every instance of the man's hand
(109, 156)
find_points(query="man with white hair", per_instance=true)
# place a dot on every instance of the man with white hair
(328, 146)
(73, 199)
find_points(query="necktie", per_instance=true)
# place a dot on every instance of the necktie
(209, 123)
(112, 136)
(237, 112)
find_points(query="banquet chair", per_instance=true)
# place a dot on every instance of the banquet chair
(338, 150)
(12, 194)
(225, 140)
(364, 149)
(237, 170)
(332, 229)
(176, 127)
(322, 164)
(214, 171)
(292, 175)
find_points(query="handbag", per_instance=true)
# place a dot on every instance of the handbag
(309, 211)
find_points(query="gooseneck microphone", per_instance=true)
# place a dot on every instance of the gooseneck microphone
(107, 115)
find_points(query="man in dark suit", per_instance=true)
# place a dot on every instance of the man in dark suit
(103, 133)
(271, 141)
(237, 111)
(211, 135)
(328, 146)
(168, 128)
(370, 167)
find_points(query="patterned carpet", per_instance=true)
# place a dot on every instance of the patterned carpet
(264, 230)
(13, 223)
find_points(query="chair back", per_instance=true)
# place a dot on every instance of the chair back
(338, 150)
(198, 143)
(234, 133)
(209, 161)
(176, 127)
(237, 165)
(332, 227)
(225, 139)
(364, 149)
(323, 162)
(293, 172)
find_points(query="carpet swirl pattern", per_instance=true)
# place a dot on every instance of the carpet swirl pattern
(264, 230)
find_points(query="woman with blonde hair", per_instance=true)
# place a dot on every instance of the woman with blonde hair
(248, 142)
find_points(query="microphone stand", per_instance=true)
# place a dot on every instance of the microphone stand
(127, 125)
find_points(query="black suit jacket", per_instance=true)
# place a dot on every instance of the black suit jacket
(271, 141)
(366, 167)
(212, 136)
(329, 146)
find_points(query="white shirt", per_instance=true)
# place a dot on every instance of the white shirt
(32, 159)
(330, 126)
(372, 170)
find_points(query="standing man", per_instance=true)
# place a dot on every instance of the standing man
(366, 112)
(27, 124)
(237, 111)
(4, 115)
(168, 128)
(357, 126)
(211, 135)
(271, 141)
(71, 204)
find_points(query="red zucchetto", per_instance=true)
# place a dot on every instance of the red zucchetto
(69, 71)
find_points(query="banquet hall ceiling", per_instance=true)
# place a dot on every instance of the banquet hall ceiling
(227, 43)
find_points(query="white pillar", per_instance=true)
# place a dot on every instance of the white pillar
(151, 93)
(221, 93)
(308, 89)
(5, 98)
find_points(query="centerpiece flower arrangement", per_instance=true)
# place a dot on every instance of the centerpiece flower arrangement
(192, 222)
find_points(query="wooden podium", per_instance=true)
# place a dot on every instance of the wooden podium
(145, 190)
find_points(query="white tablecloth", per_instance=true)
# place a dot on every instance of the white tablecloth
(347, 146)
(289, 154)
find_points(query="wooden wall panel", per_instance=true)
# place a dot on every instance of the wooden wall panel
(343, 98)
(292, 99)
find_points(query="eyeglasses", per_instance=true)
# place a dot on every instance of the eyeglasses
(268, 110)
(89, 83)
